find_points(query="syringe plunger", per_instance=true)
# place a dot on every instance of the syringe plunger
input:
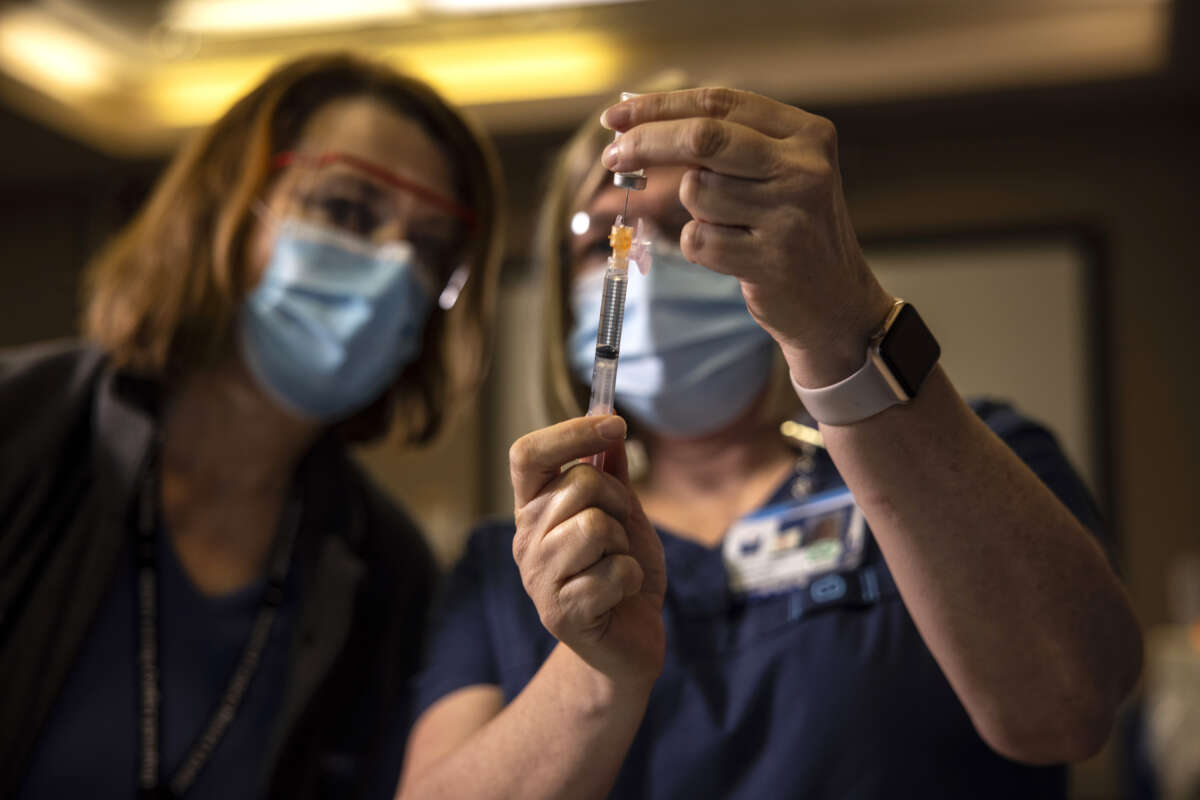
(612, 314)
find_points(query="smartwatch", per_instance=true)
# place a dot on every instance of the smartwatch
(900, 355)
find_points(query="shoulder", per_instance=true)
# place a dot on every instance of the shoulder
(343, 506)
(41, 371)
(44, 388)
(388, 525)
(486, 569)
(389, 539)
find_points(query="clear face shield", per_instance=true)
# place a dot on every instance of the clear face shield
(376, 206)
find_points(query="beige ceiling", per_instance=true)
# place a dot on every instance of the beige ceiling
(117, 76)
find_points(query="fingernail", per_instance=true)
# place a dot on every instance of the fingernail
(615, 117)
(611, 154)
(611, 427)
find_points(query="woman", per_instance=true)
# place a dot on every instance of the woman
(729, 627)
(202, 594)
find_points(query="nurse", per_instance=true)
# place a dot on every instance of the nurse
(904, 599)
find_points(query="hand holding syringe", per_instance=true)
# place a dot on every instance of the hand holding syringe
(626, 247)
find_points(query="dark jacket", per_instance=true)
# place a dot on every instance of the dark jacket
(75, 436)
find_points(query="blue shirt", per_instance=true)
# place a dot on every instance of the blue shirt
(799, 694)
(90, 747)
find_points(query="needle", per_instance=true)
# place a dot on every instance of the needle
(625, 213)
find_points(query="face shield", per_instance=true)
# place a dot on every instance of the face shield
(377, 206)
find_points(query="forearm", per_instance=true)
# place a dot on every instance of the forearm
(564, 736)
(1012, 596)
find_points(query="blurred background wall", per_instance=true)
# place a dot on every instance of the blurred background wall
(978, 123)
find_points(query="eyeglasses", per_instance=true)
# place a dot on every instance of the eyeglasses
(356, 196)
(383, 174)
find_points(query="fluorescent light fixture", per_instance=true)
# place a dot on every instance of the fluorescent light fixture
(489, 6)
(239, 17)
(502, 69)
(54, 57)
(473, 71)
(242, 17)
(187, 95)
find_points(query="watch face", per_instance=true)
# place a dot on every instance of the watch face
(909, 350)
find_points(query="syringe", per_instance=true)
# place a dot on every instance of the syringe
(612, 314)
(612, 301)
(608, 333)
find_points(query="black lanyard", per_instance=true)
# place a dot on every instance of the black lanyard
(150, 698)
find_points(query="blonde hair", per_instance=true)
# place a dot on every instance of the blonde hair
(161, 299)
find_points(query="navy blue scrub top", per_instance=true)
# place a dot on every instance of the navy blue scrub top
(90, 745)
(805, 694)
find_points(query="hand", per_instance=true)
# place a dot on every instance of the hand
(765, 194)
(590, 560)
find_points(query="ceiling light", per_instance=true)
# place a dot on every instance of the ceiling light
(52, 56)
(190, 94)
(477, 71)
(488, 6)
(240, 17)
(503, 69)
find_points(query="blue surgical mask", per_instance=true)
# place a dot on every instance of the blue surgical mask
(692, 357)
(334, 320)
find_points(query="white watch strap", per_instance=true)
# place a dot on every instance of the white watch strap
(863, 394)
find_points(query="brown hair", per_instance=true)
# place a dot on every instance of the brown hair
(161, 299)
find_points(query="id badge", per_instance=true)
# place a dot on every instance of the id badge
(783, 547)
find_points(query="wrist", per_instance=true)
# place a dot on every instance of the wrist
(843, 352)
(594, 692)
